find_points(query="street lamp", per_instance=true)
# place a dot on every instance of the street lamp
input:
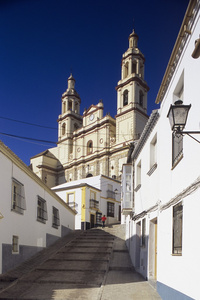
(177, 115)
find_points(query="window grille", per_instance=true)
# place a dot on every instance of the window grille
(42, 210)
(94, 203)
(15, 244)
(110, 209)
(18, 203)
(55, 217)
(177, 228)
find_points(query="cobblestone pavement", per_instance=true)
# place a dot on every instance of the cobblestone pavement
(89, 265)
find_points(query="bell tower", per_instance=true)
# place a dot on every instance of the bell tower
(131, 94)
(70, 118)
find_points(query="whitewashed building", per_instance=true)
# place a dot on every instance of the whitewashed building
(32, 216)
(92, 198)
(162, 217)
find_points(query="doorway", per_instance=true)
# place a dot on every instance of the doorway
(153, 249)
(92, 221)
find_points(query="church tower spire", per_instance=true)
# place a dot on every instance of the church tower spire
(131, 93)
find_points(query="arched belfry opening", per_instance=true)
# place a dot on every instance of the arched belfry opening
(125, 98)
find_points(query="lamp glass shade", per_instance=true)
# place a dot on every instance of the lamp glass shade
(178, 116)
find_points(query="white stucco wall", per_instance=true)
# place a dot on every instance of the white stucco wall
(31, 232)
(177, 275)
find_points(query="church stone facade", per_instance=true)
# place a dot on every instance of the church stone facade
(93, 144)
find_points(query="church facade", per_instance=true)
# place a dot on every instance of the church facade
(93, 144)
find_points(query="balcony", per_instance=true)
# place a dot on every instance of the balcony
(111, 194)
(94, 203)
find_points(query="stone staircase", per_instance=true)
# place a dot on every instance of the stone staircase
(75, 270)
(84, 265)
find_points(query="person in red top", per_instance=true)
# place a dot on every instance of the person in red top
(103, 220)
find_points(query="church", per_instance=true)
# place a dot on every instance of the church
(93, 143)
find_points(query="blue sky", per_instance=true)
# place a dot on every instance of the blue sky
(43, 40)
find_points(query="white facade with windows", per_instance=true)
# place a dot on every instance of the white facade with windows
(92, 198)
(32, 216)
(162, 228)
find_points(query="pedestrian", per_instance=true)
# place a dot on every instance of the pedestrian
(103, 220)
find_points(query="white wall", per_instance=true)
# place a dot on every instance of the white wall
(177, 276)
(31, 232)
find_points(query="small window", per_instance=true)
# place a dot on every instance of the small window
(177, 228)
(15, 244)
(110, 209)
(177, 148)
(64, 107)
(125, 98)
(138, 176)
(18, 199)
(141, 99)
(75, 126)
(179, 90)
(134, 64)
(153, 155)
(55, 217)
(126, 70)
(110, 192)
(89, 147)
(42, 210)
(71, 200)
(63, 129)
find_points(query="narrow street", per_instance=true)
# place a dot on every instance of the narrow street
(89, 265)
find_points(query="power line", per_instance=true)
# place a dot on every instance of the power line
(27, 123)
(26, 138)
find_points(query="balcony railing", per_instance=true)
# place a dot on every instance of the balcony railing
(94, 203)
(111, 194)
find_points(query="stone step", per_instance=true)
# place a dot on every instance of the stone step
(73, 265)
(82, 256)
(92, 278)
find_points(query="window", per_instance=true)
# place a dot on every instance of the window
(153, 155)
(138, 177)
(42, 210)
(64, 107)
(94, 203)
(125, 97)
(141, 98)
(63, 129)
(110, 193)
(177, 228)
(126, 70)
(143, 232)
(179, 90)
(110, 209)
(15, 244)
(71, 200)
(18, 199)
(177, 148)
(55, 217)
(134, 67)
(75, 126)
(89, 147)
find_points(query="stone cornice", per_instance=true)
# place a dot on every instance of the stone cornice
(131, 109)
(135, 78)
